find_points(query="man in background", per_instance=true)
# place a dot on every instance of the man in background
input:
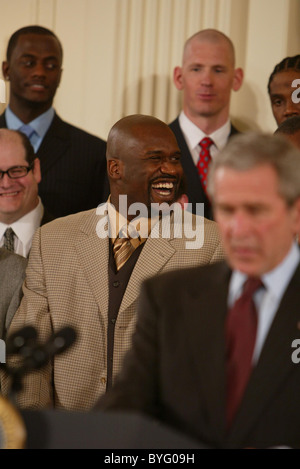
(73, 164)
(216, 349)
(21, 209)
(206, 78)
(290, 129)
(283, 94)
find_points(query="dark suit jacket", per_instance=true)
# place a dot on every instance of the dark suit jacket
(195, 191)
(176, 368)
(73, 164)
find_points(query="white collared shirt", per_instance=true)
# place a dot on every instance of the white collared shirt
(24, 229)
(267, 300)
(117, 221)
(193, 135)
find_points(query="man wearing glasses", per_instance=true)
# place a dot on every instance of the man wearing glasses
(21, 209)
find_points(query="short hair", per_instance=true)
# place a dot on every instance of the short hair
(29, 30)
(289, 126)
(288, 63)
(30, 156)
(249, 150)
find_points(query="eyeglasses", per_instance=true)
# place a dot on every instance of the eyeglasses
(16, 172)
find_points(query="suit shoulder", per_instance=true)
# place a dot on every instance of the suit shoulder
(74, 220)
(201, 276)
(80, 133)
(210, 226)
(174, 124)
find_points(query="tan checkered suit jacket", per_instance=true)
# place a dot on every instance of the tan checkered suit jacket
(67, 284)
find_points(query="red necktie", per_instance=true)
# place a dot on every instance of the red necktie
(241, 324)
(204, 160)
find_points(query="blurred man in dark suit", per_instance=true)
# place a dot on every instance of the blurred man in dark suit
(73, 162)
(21, 209)
(217, 348)
(207, 77)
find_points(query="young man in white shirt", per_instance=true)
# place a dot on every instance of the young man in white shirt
(206, 78)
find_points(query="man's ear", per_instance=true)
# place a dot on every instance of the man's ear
(5, 70)
(237, 79)
(36, 170)
(114, 169)
(177, 78)
(296, 214)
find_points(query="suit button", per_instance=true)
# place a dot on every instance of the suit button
(116, 284)
(103, 380)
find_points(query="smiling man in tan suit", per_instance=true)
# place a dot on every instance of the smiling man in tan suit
(74, 277)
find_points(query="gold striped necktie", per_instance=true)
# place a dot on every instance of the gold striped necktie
(125, 244)
(122, 251)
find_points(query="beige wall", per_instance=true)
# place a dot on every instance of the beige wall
(119, 55)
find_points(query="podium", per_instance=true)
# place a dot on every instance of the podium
(100, 430)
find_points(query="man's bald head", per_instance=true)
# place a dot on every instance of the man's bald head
(143, 161)
(130, 129)
(8, 136)
(213, 36)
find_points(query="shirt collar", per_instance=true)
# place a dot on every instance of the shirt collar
(275, 281)
(194, 135)
(26, 226)
(117, 221)
(40, 125)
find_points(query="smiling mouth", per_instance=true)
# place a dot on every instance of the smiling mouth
(9, 194)
(37, 87)
(164, 189)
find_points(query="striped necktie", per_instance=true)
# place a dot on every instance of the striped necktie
(125, 245)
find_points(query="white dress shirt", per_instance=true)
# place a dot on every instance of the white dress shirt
(24, 229)
(267, 300)
(193, 135)
(139, 227)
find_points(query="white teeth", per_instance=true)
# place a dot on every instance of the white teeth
(165, 185)
(10, 194)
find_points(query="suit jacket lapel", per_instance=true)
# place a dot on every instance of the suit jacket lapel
(93, 254)
(152, 259)
(195, 191)
(54, 144)
(274, 365)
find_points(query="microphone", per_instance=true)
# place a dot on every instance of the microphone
(35, 355)
(20, 339)
(56, 344)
